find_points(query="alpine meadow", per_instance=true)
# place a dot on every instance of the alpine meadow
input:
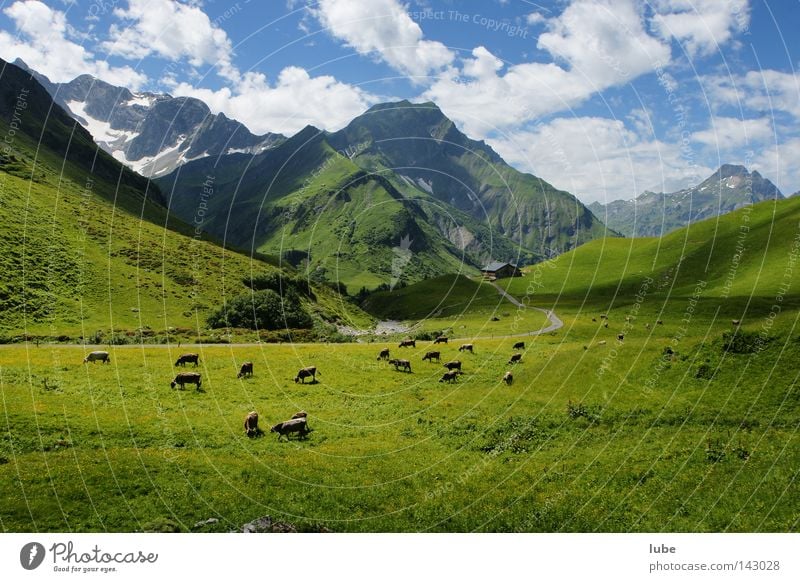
(350, 277)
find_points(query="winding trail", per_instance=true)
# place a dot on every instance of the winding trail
(555, 322)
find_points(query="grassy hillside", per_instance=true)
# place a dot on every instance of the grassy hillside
(87, 250)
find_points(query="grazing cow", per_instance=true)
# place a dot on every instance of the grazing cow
(621, 336)
(405, 364)
(466, 348)
(450, 376)
(594, 320)
(508, 378)
(603, 316)
(431, 356)
(519, 346)
(454, 365)
(647, 326)
(384, 355)
(287, 427)
(94, 356)
(251, 424)
(186, 378)
(515, 358)
(440, 340)
(495, 318)
(605, 325)
(309, 372)
(735, 322)
(245, 370)
(659, 322)
(184, 359)
(408, 343)
(601, 343)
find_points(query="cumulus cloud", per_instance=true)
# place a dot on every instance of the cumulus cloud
(44, 42)
(383, 28)
(172, 30)
(727, 133)
(766, 91)
(701, 26)
(595, 45)
(600, 159)
(294, 101)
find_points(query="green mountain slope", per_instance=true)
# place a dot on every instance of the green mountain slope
(362, 208)
(83, 248)
(744, 259)
(420, 142)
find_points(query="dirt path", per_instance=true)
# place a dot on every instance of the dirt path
(555, 322)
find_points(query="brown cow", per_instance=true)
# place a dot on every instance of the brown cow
(95, 356)
(454, 365)
(508, 378)
(301, 414)
(287, 427)
(309, 372)
(440, 340)
(251, 424)
(184, 359)
(519, 346)
(186, 378)
(515, 358)
(466, 348)
(245, 370)
(405, 364)
(450, 376)
(431, 356)
(384, 355)
(408, 343)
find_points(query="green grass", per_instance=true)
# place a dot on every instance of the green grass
(644, 446)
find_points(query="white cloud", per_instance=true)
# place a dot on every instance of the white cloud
(296, 100)
(702, 26)
(384, 28)
(600, 44)
(44, 44)
(726, 133)
(172, 30)
(599, 159)
(779, 164)
(766, 91)
(535, 18)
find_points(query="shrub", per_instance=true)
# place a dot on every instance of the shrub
(741, 342)
(263, 309)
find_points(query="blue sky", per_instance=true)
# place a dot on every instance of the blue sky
(601, 98)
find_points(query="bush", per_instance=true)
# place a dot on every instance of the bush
(262, 310)
(704, 372)
(741, 342)
(279, 283)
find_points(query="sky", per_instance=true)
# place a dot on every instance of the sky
(602, 98)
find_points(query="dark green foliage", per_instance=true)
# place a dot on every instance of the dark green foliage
(704, 372)
(263, 309)
(279, 282)
(742, 342)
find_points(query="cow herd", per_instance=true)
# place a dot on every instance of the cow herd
(298, 424)
(453, 366)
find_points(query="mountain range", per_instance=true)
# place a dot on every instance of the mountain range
(655, 214)
(398, 195)
(151, 133)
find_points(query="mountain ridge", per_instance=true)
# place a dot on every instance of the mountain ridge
(729, 188)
